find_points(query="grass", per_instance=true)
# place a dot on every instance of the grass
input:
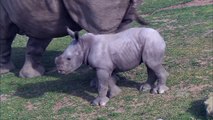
(188, 60)
(151, 6)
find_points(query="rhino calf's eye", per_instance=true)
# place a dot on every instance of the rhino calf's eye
(69, 59)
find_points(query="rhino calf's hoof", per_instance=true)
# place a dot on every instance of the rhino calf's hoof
(145, 87)
(159, 89)
(29, 72)
(6, 68)
(101, 101)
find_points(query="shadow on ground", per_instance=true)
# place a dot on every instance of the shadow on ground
(198, 109)
(76, 84)
(18, 58)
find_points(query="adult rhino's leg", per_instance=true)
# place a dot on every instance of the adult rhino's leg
(5, 51)
(150, 83)
(32, 66)
(7, 33)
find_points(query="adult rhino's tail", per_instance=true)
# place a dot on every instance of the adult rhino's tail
(131, 15)
(139, 19)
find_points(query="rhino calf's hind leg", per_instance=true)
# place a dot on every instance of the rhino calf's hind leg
(153, 58)
(150, 83)
(94, 83)
(114, 90)
(32, 66)
(162, 75)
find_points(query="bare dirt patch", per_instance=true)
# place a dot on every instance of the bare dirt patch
(29, 106)
(4, 97)
(209, 33)
(195, 89)
(62, 103)
(190, 4)
(182, 90)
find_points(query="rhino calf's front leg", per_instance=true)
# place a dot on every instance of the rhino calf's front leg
(103, 77)
(113, 90)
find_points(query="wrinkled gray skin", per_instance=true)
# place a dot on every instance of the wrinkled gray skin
(42, 20)
(112, 53)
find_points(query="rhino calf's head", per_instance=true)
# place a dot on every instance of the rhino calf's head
(72, 58)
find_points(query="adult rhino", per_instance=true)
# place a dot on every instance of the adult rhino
(42, 20)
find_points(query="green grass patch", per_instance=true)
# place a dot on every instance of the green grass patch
(150, 6)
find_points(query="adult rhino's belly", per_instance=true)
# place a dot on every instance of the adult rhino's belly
(39, 18)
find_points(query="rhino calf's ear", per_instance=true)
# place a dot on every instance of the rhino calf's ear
(76, 35)
(73, 34)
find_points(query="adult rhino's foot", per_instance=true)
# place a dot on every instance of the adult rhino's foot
(101, 101)
(145, 87)
(114, 91)
(159, 89)
(6, 68)
(29, 72)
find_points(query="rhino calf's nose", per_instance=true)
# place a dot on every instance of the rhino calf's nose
(56, 59)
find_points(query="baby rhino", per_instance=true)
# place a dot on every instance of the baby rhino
(112, 53)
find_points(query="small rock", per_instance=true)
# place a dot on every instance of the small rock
(159, 119)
